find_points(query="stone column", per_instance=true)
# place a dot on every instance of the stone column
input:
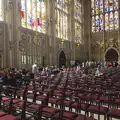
(89, 29)
(72, 32)
(119, 29)
(53, 34)
(9, 19)
(49, 29)
(86, 36)
(16, 32)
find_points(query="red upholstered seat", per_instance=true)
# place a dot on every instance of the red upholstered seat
(114, 113)
(75, 105)
(5, 98)
(49, 110)
(117, 101)
(69, 114)
(8, 117)
(35, 106)
(67, 102)
(2, 114)
(93, 97)
(20, 92)
(67, 119)
(30, 95)
(68, 93)
(19, 104)
(53, 100)
(83, 106)
(82, 117)
(97, 109)
(41, 97)
(104, 99)
(84, 97)
(14, 101)
(58, 92)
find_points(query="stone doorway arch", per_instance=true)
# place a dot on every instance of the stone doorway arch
(62, 59)
(111, 55)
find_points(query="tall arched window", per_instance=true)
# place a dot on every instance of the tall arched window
(78, 20)
(1, 10)
(61, 9)
(104, 13)
(34, 15)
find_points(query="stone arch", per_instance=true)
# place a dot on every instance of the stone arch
(111, 54)
(61, 58)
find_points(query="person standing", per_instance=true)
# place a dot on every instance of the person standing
(34, 68)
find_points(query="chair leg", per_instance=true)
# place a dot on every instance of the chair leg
(98, 116)
(108, 118)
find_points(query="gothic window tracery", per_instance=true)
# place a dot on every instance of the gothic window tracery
(33, 15)
(104, 13)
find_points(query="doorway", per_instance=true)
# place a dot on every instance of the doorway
(62, 59)
(111, 55)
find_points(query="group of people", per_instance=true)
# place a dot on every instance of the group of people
(13, 76)
(44, 71)
(97, 68)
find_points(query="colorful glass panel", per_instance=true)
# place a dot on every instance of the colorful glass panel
(78, 31)
(106, 22)
(29, 15)
(116, 20)
(97, 23)
(61, 19)
(101, 22)
(23, 13)
(93, 24)
(115, 4)
(34, 25)
(33, 15)
(111, 5)
(77, 10)
(104, 13)
(101, 6)
(93, 7)
(111, 21)
(97, 6)
(106, 4)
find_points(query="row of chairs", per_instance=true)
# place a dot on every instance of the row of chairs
(60, 91)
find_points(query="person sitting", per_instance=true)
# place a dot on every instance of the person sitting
(98, 73)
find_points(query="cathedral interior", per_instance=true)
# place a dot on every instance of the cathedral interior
(56, 32)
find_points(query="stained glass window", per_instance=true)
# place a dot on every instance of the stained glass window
(116, 20)
(106, 22)
(77, 10)
(101, 22)
(23, 13)
(33, 15)
(1, 10)
(93, 25)
(61, 16)
(104, 13)
(78, 19)
(97, 23)
(77, 31)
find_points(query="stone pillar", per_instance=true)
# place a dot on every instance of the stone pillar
(119, 29)
(53, 33)
(89, 30)
(86, 35)
(9, 19)
(49, 30)
(16, 32)
(72, 32)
